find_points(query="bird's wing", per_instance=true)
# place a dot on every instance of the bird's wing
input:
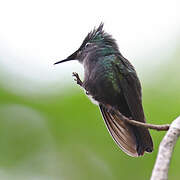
(121, 132)
(130, 87)
(131, 90)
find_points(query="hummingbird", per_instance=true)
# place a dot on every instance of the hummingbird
(111, 82)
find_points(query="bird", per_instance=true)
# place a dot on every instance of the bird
(111, 82)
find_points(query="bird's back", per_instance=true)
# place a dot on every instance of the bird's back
(113, 83)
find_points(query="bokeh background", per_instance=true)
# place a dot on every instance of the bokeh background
(49, 130)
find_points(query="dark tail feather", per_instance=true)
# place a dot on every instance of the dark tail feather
(121, 132)
(129, 138)
(143, 139)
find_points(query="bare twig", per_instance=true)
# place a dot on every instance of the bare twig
(160, 171)
(163, 127)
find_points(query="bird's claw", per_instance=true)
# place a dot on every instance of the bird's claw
(77, 78)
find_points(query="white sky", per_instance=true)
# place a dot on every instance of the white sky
(35, 34)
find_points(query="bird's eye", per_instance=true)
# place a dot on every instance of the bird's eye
(87, 45)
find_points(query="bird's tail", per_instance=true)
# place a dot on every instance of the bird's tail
(134, 141)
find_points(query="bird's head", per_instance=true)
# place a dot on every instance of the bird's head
(97, 42)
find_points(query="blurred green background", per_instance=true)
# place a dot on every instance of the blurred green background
(49, 129)
(63, 136)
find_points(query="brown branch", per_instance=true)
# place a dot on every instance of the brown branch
(161, 167)
(163, 127)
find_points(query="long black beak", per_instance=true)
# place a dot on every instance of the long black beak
(69, 58)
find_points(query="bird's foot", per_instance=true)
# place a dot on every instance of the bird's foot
(77, 78)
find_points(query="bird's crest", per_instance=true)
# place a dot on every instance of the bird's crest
(99, 35)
